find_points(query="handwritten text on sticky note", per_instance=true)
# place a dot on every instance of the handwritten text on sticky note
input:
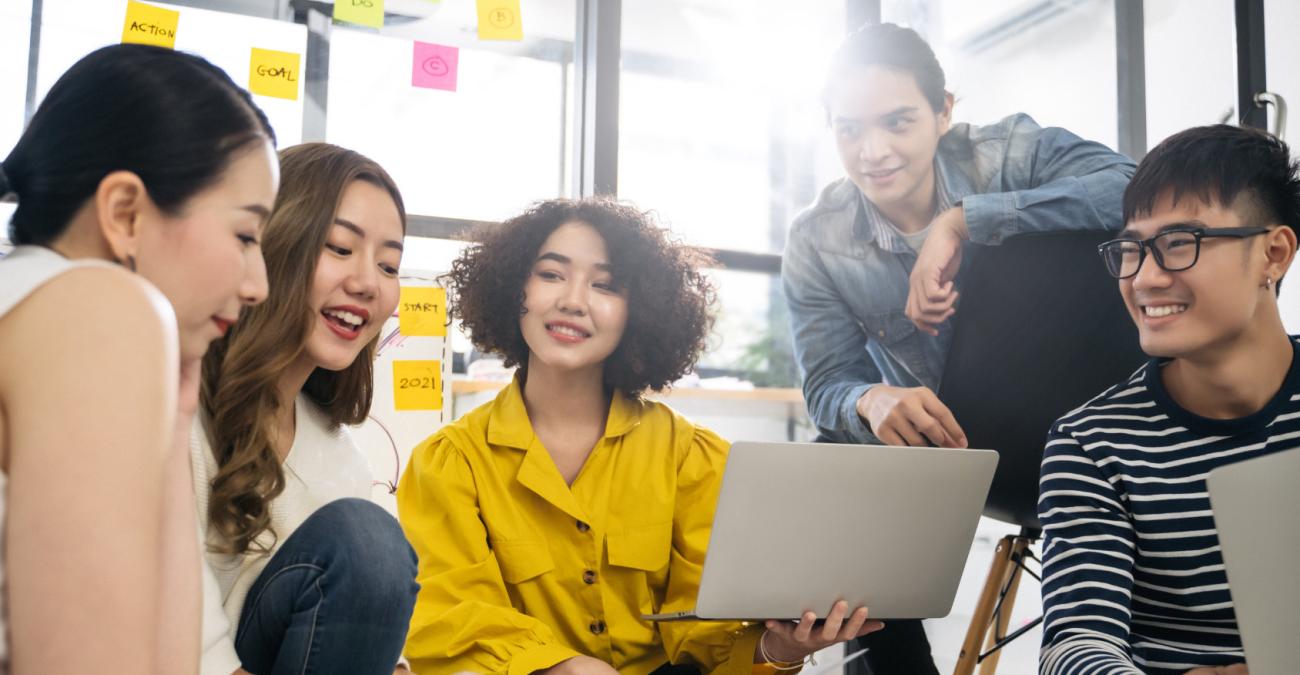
(273, 73)
(364, 12)
(417, 385)
(149, 25)
(422, 310)
(499, 20)
(434, 66)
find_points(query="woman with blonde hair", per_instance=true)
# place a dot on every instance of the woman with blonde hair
(306, 575)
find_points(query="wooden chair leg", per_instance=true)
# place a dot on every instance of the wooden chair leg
(1018, 547)
(983, 616)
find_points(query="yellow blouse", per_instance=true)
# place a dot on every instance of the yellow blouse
(519, 571)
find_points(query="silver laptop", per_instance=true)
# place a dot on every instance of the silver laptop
(1257, 513)
(802, 525)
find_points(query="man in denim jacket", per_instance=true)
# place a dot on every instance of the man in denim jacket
(869, 270)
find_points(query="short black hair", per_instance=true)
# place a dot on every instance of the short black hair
(1241, 168)
(173, 119)
(891, 46)
(670, 301)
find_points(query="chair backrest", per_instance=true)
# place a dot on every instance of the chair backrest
(1039, 330)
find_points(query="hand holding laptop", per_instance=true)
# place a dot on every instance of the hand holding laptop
(791, 641)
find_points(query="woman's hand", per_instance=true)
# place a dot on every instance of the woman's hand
(932, 296)
(579, 665)
(1234, 669)
(788, 641)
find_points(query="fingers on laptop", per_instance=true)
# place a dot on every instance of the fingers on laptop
(923, 420)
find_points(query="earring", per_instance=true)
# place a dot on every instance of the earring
(1268, 282)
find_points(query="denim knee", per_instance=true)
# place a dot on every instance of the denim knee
(368, 548)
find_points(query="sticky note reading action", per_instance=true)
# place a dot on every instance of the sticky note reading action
(149, 25)
(273, 73)
(499, 20)
(364, 12)
(422, 310)
(416, 385)
(434, 66)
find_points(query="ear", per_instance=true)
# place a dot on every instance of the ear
(1279, 250)
(945, 115)
(120, 204)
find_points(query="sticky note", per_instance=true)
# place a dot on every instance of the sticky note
(416, 385)
(499, 20)
(434, 66)
(422, 310)
(273, 73)
(149, 25)
(364, 12)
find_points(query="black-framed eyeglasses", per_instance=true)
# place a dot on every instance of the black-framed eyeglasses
(1174, 250)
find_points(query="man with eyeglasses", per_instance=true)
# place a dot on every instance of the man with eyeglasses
(1133, 577)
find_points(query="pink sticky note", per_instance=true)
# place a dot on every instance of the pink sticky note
(434, 66)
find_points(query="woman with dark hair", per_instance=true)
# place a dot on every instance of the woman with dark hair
(142, 183)
(870, 269)
(306, 574)
(511, 508)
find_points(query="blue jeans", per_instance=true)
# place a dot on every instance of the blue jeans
(335, 598)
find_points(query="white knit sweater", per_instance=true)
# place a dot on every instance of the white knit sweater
(323, 465)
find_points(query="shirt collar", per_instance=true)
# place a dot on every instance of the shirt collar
(509, 426)
(875, 227)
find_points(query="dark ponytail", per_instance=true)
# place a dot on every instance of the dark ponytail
(171, 118)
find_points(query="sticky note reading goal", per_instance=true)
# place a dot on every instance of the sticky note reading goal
(363, 12)
(273, 73)
(422, 310)
(149, 25)
(416, 385)
(499, 20)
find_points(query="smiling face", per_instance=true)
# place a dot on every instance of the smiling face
(886, 133)
(206, 259)
(355, 288)
(574, 311)
(1213, 304)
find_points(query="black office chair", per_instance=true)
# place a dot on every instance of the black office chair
(1040, 329)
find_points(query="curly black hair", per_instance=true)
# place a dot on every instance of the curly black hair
(670, 300)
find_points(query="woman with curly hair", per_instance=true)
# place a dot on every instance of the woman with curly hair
(306, 575)
(548, 521)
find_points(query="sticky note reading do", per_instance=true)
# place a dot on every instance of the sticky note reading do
(422, 310)
(149, 25)
(417, 385)
(273, 73)
(363, 12)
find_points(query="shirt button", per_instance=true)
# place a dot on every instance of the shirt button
(583, 527)
(880, 333)
(589, 577)
(597, 627)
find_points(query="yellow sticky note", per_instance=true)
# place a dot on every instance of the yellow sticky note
(417, 385)
(422, 310)
(149, 25)
(364, 12)
(273, 73)
(500, 20)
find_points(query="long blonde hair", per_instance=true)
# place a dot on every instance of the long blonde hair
(241, 370)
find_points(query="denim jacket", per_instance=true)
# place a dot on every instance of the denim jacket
(847, 293)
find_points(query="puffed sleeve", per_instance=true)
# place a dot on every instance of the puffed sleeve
(720, 648)
(463, 619)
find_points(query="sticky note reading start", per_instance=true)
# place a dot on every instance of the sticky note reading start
(422, 310)
(149, 25)
(416, 385)
(273, 73)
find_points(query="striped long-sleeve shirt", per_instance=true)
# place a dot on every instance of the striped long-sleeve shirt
(1133, 577)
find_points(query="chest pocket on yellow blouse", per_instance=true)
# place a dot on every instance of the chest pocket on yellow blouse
(523, 559)
(644, 547)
